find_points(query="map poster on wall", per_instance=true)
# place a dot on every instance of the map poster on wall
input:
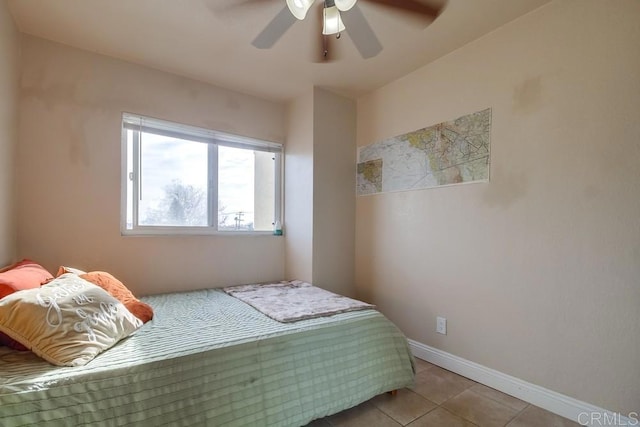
(453, 152)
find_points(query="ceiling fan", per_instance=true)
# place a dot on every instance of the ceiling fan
(335, 16)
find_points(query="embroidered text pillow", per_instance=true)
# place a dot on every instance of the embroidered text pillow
(67, 322)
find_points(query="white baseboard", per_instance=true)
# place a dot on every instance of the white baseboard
(565, 406)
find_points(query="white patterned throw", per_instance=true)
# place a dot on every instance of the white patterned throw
(294, 300)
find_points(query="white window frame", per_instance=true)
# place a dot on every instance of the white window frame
(214, 139)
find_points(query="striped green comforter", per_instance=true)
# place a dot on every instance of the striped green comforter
(209, 359)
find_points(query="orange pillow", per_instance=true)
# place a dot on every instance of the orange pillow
(25, 274)
(119, 291)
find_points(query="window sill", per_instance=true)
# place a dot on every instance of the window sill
(186, 232)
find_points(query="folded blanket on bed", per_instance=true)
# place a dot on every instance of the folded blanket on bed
(294, 300)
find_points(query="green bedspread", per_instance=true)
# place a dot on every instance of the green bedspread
(209, 359)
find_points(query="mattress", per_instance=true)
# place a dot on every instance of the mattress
(209, 359)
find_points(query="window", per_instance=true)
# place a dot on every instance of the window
(181, 179)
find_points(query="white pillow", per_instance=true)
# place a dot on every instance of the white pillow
(68, 321)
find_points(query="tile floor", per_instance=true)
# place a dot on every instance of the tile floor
(441, 398)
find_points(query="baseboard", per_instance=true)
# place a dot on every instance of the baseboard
(565, 406)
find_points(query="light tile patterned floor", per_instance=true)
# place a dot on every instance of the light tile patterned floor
(441, 398)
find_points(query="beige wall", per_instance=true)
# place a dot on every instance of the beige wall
(319, 190)
(9, 69)
(298, 189)
(69, 166)
(334, 133)
(538, 271)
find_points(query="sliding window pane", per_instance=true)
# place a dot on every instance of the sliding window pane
(235, 189)
(173, 182)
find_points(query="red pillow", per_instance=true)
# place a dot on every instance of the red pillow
(119, 291)
(25, 274)
(10, 342)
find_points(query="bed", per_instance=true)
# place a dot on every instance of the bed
(209, 359)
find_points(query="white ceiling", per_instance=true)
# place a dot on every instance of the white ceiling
(210, 40)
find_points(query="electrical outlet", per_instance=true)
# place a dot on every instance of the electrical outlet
(441, 325)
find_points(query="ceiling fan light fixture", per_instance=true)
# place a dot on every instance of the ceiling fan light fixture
(331, 21)
(344, 5)
(299, 8)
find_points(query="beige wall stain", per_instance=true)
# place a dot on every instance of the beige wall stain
(505, 188)
(528, 95)
(69, 170)
(538, 268)
(78, 140)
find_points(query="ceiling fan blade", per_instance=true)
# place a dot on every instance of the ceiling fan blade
(220, 7)
(413, 6)
(361, 33)
(275, 29)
